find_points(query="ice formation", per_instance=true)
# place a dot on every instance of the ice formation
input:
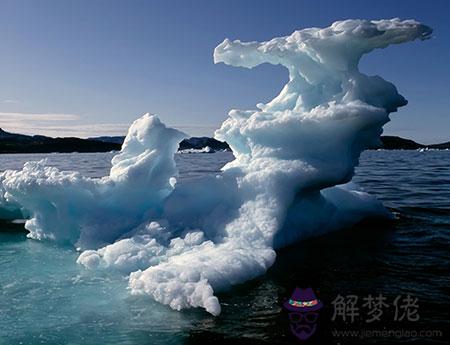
(295, 157)
(69, 208)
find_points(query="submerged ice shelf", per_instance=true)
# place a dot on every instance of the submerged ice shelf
(291, 177)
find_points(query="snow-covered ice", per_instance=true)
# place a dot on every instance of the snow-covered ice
(291, 177)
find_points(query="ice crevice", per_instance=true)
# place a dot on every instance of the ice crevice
(295, 156)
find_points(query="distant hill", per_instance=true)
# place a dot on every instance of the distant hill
(115, 139)
(196, 143)
(20, 143)
(201, 142)
(442, 146)
(398, 143)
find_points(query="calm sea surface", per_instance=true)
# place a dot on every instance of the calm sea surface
(46, 298)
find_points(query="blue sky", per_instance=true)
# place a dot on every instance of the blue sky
(91, 67)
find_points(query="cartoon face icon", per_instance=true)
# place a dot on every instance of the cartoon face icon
(303, 308)
(303, 325)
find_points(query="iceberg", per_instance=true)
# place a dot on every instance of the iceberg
(87, 213)
(295, 156)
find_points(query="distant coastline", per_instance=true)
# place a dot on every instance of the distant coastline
(399, 143)
(20, 143)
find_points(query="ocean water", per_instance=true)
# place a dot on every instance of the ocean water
(46, 298)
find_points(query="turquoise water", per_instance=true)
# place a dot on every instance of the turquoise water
(46, 298)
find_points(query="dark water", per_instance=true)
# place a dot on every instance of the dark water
(409, 256)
